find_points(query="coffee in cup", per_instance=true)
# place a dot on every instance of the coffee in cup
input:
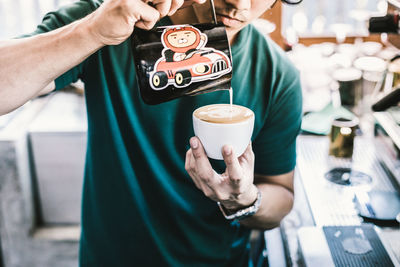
(223, 124)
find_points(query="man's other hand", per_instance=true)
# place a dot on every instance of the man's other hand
(113, 22)
(234, 188)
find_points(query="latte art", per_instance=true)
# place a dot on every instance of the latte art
(223, 113)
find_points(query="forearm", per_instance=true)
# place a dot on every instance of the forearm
(276, 203)
(28, 65)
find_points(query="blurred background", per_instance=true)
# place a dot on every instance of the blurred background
(320, 18)
(309, 19)
(348, 151)
(19, 17)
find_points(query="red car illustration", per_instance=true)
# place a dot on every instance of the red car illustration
(197, 66)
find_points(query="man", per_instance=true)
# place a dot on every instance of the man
(148, 198)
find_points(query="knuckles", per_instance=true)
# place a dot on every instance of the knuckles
(206, 176)
(235, 180)
(208, 193)
(187, 167)
(228, 160)
(197, 154)
(252, 156)
(250, 153)
(238, 191)
(220, 196)
(123, 5)
(205, 179)
(148, 25)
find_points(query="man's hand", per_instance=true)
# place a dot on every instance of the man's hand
(234, 188)
(113, 22)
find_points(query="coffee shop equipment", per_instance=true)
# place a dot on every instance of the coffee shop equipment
(392, 86)
(387, 101)
(331, 199)
(386, 114)
(386, 110)
(390, 22)
(349, 85)
(342, 136)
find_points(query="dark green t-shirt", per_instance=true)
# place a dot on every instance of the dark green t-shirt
(140, 207)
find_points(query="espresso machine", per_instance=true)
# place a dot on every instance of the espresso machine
(387, 109)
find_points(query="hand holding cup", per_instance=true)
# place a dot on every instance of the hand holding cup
(234, 188)
(223, 132)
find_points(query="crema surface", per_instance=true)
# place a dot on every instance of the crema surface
(223, 113)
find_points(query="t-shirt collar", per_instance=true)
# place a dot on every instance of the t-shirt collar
(241, 40)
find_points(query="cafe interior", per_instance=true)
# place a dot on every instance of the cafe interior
(347, 179)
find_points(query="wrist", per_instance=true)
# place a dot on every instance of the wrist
(243, 213)
(242, 201)
(88, 30)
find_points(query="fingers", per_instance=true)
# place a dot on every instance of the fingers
(147, 16)
(199, 1)
(169, 7)
(200, 183)
(232, 164)
(201, 163)
(230, 188)
(198, 166)
(163, 7)
(113, 22)
(175, 5)
(248, 155)
(189, 167)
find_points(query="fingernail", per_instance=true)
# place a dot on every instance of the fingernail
(193, 143)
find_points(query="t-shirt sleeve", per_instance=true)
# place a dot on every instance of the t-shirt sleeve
(275, 144)
(57, 19)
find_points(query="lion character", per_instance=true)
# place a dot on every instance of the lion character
(181, 41)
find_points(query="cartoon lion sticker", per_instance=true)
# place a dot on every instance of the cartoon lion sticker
(185, 59)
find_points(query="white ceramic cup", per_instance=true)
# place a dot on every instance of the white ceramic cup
(214, 135)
